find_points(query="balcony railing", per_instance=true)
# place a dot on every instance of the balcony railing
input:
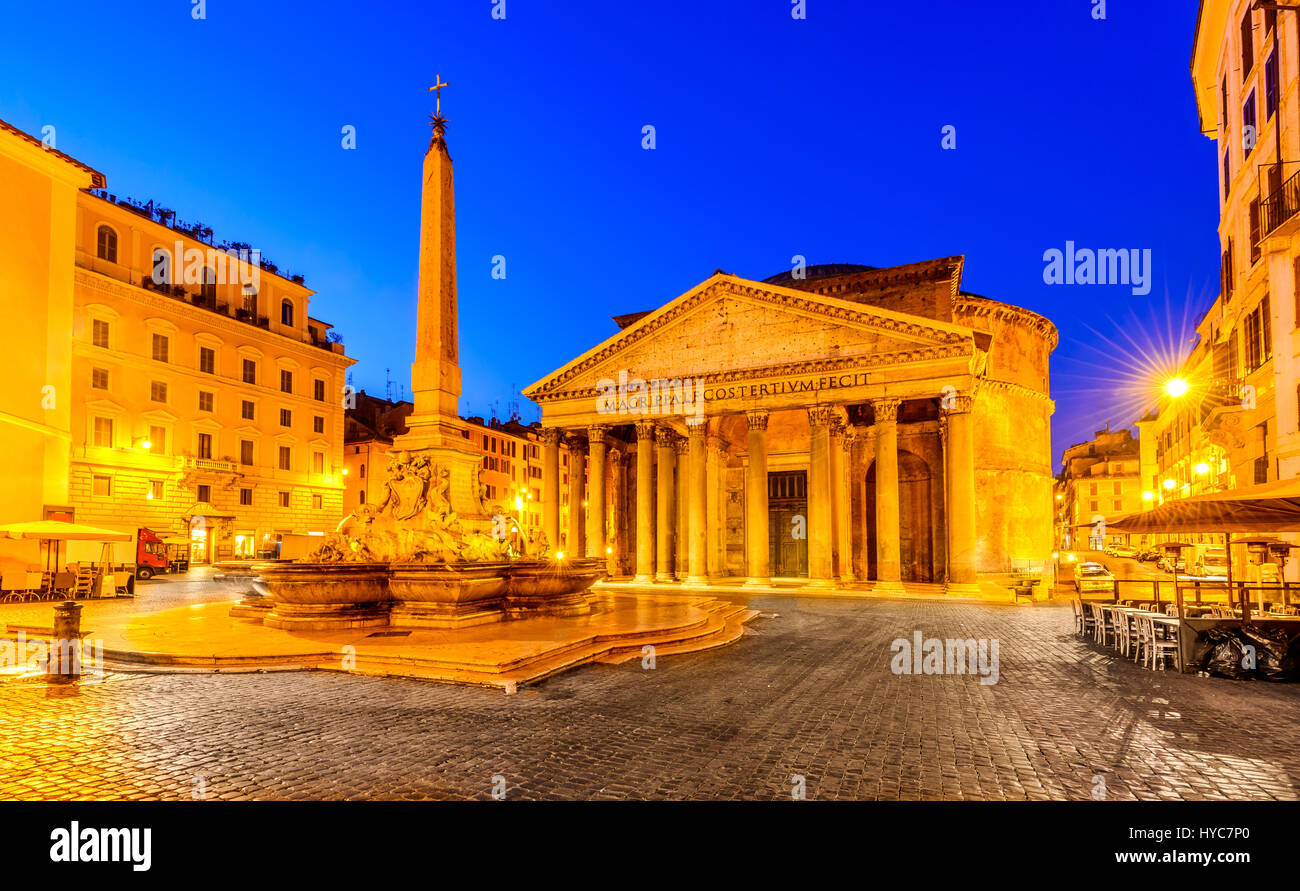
(1281, 206)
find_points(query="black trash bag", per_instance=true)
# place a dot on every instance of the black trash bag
(1273, 658)
(1224, 654)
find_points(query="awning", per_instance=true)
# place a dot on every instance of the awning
(1269, 507)
(58, 530)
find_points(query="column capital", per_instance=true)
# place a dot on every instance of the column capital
(956, 403)
(820, 415)
(696, 428)
(681, 444)
(576, 443)
(838, 430)
(716, 442)
(886, 409)
(756, 419)
(551, 435)
(645, 430)
(665, 437)
(597, 433)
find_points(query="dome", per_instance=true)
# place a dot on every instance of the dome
(812, 273)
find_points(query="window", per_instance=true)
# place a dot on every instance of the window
(104, 432)
(315, 502)
(1249, 134)
(208, 287)
(363, 471)
(205, 445)
(207, 360)
(1255, 252)
(1117, 488)
(245, 497)
(1247, 46)
(158, 391)
(155, 490)
(99, 376)
(1227, 173)
(1223, 105)
(161, 347)
(157, 440)
(250, 371)
(284, 499)
(101, 485)
(361, 497)
(286, 312)
(205, 401)
(246, 452)
(1227, 270)
(247, 410)
(1270, 85)
(99, 333)
(318, 389)
(286, 417)
(1261, 470)
(284, 458)
(1119, 505)
(1093, 506)
(317, 462)
(106, 244)
(1257, 336)
(318, 424)
(286, 380)
(1092, 488)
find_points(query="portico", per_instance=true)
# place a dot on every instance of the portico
(748, 432)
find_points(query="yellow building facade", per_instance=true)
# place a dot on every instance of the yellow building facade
(202, 399)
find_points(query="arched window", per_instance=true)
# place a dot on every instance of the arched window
(106, 248)
(208, 287)
(363, 471)
(362, 493)
(286, 312)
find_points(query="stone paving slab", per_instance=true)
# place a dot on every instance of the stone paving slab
(807, 691)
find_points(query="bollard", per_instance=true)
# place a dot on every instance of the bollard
(65, 645)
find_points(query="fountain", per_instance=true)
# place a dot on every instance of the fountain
(431, 553)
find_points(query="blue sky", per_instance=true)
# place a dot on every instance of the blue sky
(775, 137)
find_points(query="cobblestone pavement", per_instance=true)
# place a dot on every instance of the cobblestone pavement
(808, 692)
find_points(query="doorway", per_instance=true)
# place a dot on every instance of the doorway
(787, 523)
(915, 519)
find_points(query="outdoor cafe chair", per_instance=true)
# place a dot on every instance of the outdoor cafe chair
(1164, 644)
(13, 586)
(1142, 646)
(1131, 633)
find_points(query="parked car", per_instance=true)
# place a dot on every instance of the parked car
(1123, 551)
(1093, 578)
(1211, 561)
(1148, 555)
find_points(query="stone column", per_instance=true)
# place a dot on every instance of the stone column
(961, 501)
(551, 486)
(697, 483)
(683, 513)
(617, 546)
(715, 526)
(840, 442)
(665, 510)
(596, 497)
(577, 544)
(858, 502)
(888, 540)
(645, 494)
(821, 529)
(757, 556)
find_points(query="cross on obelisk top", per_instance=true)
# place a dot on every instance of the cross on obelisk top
(437, 88)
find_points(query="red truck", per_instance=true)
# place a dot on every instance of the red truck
(150, 555)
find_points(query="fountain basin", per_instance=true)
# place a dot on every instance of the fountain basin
(448, 595)
(551, 589)
(320, 596)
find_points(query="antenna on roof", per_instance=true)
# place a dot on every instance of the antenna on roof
(388, 386)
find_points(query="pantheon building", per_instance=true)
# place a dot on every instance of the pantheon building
(828, 426)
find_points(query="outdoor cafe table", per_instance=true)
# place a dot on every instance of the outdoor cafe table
(1128, 611)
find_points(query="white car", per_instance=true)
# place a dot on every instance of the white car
(1211, 562)
(1091, 578)
(1123, 551)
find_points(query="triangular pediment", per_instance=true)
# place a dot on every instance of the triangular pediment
(729, 325)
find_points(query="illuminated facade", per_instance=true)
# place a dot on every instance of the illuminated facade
(202, 398)
(1099, 481)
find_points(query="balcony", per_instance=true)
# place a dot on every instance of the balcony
(209, 465)
(1281, 206)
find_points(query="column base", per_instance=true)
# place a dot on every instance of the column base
(888, 586)
(665, 577)
(756, 582)
(643, 579)
(820, 583)
(964, 588)
(696, 581)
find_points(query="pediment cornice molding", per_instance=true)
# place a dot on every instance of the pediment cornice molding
(938, 342)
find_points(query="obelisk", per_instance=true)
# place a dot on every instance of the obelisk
(434, 424)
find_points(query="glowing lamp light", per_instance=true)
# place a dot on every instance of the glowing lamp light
(345, 471)
(1170, 484)
(1148, 495)
(609, 550)
(1202, 468)
(1055, 555)
(559, 555)
(1176, 387)
(146, 444)
(1059, 497)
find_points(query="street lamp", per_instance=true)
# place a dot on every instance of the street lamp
(1176, 387)
(1170, 484)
